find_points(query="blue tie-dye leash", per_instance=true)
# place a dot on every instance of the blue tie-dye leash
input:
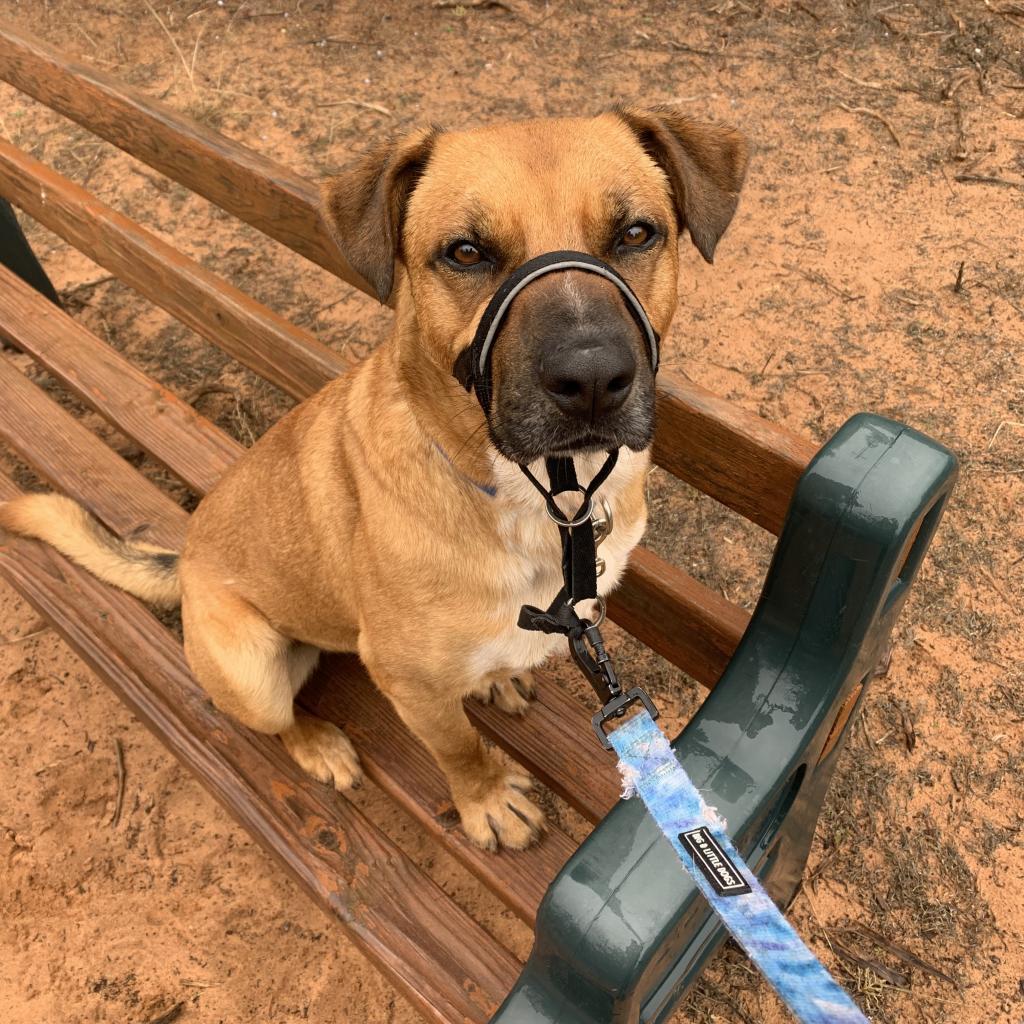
(651, 770)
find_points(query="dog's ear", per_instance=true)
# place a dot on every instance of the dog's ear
(705, 164)
(364, 206)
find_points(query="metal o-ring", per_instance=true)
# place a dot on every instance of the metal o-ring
(583, 513)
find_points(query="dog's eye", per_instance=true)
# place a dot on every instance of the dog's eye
(463, 254)
(636, 236)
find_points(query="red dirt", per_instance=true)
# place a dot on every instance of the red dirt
(836, 290)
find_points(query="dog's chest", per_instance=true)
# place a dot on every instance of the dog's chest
(531, 573)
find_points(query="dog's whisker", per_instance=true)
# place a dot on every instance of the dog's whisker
(472, 436)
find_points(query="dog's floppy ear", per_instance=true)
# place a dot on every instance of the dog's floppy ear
(365, 205)
(705, 164)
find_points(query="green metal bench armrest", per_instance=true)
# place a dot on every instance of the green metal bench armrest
(622, 931)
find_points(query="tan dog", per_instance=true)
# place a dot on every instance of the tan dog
(385, 515)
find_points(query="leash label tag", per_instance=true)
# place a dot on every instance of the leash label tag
(714, 863)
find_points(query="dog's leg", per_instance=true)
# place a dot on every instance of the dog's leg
(509, 691)
(252, 672)
(489, 797)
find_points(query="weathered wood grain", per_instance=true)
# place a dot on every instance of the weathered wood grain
(448, 967)
(683, 620)
(76, 462)
(171, 431)
(341, 692)
(254, 188)
(747, 463)
(258, 338)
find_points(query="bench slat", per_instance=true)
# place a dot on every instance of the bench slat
(76, 462)
(169, 429)
(258, 338)
(741, 460)
(257, 190)
(701, 631)
(79, 464)
(445, 963)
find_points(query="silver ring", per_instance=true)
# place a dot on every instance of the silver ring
(603, 524)
(583, 513)
(602, 610)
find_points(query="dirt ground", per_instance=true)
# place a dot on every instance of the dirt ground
(874, 264)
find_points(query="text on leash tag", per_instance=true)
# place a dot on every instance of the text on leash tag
(714, 862)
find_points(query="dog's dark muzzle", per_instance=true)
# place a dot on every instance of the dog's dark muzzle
(569, 390)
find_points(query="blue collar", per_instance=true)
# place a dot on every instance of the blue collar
(486, 488)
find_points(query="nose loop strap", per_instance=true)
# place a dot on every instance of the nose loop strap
(473, 367)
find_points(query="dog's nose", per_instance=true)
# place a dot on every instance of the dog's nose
(588, 380)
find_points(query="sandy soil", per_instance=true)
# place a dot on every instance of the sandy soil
(875, 264)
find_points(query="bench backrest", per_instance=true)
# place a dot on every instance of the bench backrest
(736, 457)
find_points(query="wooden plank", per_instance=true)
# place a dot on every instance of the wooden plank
(91, 473)
(171, 431)
(683, 620)
(75, 461)
(342, 693)
(444, 963)
(258, 338)
(256, 189)
(745, 462)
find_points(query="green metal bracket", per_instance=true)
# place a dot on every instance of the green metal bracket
(622, 932)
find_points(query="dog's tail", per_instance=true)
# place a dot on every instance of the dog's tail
(148, 572)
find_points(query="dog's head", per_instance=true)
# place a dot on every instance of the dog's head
(441, 218)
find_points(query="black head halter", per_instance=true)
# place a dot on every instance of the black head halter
(473, 367)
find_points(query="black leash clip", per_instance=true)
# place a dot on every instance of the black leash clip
(616, 708)
(588, 651)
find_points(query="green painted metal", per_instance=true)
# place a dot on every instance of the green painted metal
(622, 932)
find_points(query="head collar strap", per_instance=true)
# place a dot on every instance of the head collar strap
(473, 367)
(579, 545)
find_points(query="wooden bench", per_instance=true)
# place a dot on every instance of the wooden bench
(620, 931)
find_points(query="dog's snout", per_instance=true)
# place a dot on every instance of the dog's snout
(588, 377)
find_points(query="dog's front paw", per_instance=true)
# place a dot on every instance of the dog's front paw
(511, 692)
(324, 751)
(503, 816)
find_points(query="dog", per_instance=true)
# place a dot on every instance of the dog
(387, 514)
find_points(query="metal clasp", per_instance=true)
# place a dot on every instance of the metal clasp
(588, 651)
(616, 708)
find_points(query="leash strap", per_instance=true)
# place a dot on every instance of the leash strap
(650, 769)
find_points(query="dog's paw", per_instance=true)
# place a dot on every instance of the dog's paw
(324, 751)
(511, 693)
(503, 816)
